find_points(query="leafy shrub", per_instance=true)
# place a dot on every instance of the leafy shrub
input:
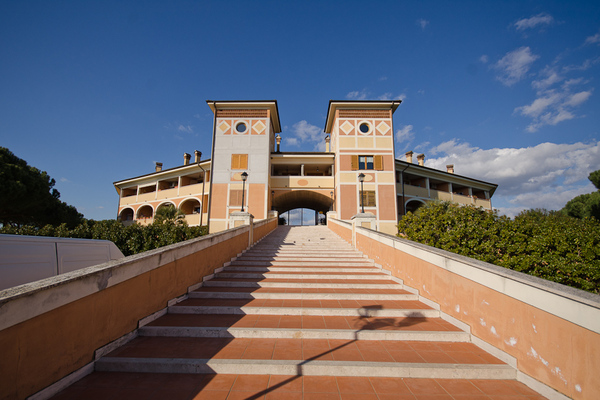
(549, 245)
(130, 239)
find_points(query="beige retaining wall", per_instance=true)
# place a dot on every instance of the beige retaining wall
(552, 331)
(51, 328)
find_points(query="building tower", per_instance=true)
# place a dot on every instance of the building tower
(243, 138)
(363, 141)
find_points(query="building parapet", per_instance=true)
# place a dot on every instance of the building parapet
(551, 332)
(62, 321)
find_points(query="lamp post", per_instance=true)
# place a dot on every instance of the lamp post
(361, 179)
(244, 177)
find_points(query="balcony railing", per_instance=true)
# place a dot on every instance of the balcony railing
(193, 189)
(299, 182)
(166, 194)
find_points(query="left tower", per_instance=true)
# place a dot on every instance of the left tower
(243, 138)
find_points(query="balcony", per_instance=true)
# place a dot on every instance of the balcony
(440, 195)
(166, 194)
(302, 182)
(410, 190)
(195, 189)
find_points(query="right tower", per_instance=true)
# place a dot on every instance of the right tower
(362, 137)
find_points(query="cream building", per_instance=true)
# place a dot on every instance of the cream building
(359, 143)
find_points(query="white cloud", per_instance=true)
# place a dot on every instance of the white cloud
(578, 98)
(552, 107)
(404, 134)
(65, 180)
(484, 59)
(593, 39)
(357, 95)
(587, 64)
(542, 176)
(528, 23)
(307, 132)
(422, 23)
(550, 77)
(366, 95)
(304, 133)
(553, 104)
(538, 106)
(514, 65)
(291, 141)
(187, 129)
(390, 96)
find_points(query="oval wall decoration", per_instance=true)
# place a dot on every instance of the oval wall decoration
(302, 182)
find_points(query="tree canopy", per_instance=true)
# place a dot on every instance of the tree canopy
(586, 205)
(28, 197)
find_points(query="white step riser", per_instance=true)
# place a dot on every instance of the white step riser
(301, 269)
(226, 275)
(302, 296)
(303, 263)
(310, 368)
(212, 283)
(342, 334)
(345, 312)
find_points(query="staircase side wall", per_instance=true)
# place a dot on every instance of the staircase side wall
(51, 328)
(552, 330)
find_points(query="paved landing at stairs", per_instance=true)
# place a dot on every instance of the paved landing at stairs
(301, 315)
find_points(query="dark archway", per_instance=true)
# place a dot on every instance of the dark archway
(414, 205)
(301, 199)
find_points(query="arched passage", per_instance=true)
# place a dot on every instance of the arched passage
(301, 199)
(165, 204)
(414, 205)
(145, 212)
(126, 214)
(190, 206)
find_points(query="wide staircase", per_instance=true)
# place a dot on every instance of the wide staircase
(301, 315)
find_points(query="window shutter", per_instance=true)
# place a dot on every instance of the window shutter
(205, 204)
(239, 161)
(378, 163)
(235, 197)
(371, 198)
(354, 163)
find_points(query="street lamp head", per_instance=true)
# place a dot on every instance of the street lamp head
(361, 177)
(244, 176)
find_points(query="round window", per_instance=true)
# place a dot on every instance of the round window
(241, 127)
(364, 128)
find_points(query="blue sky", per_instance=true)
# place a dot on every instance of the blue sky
(97, 91)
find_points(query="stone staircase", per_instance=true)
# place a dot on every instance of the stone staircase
(302, 315)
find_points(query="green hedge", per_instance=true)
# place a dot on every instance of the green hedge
(548, 245)
(130, 239)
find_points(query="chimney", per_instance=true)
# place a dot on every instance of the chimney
(421, 159)
(186, 158)
(197, 156)
(450, 168)
(278, 138)
(409, 155)
(327, 140)
(158, 167)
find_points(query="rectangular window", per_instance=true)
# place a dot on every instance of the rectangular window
(369, 198)
(235, 198)
(239, 161)
(365, 162)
